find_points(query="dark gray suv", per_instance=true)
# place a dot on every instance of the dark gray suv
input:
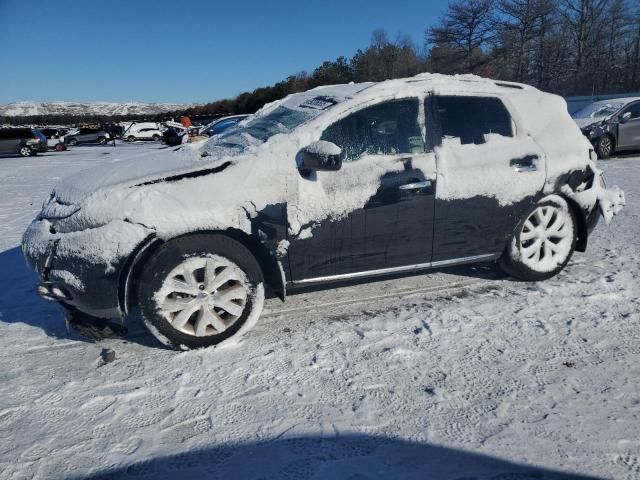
(611, 125)
(22, 141)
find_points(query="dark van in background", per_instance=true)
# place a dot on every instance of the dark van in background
(22, 141)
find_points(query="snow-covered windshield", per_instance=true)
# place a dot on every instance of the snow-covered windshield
(261, 128)
(283, 117)
(598, 110)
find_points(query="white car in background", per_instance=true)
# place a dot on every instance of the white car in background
(142, 131)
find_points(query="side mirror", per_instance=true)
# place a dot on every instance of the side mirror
(321, 155)
(625, 117)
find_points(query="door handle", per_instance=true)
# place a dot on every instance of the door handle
(416, 185)
(525, 168)
(524, 164)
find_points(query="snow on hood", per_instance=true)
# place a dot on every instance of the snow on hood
(585, 122)
(134, 170)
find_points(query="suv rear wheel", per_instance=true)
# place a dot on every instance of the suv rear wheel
(25, 151)
(102, 140)
(200, 290)
(131, 138)
(73, 142)
(156, 138)
(543, 241)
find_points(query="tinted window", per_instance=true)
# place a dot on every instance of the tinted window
(634, 109)
(386, 128)
(471, 118)
(15, 133)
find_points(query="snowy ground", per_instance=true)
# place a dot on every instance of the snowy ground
(456, 374)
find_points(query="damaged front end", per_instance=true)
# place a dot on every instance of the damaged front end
(79, 265)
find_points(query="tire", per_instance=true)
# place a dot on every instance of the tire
(184, 309)
(156, 138)
(102, 140)
(529, 255)
(605, 146)
(25, 151)
(73, 142)
(131, 138)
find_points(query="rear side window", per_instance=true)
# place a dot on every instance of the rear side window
(471, 118)
(15, 133)
(383, 129)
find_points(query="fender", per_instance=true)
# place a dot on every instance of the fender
(272, 268)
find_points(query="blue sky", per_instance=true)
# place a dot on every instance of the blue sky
(167, 51)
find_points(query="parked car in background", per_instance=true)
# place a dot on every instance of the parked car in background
(220, 125)
(87, 135)
(338, 183)
(152, 133)
(142, 131)
(174, 134)
(611, 125)
(55, 138)
(22, 141)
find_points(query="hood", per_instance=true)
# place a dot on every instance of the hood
(585, 122)
(149, 167)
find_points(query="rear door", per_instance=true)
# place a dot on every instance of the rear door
(488, 175)
(629, 131)
(381, 201)
(6, 145)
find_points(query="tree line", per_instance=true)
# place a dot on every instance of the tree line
(568, 47)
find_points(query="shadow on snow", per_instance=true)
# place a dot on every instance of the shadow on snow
(352, 456)
(19, 303)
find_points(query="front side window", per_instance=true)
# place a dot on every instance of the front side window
(471, 118)
(634, 109)
(387, 128)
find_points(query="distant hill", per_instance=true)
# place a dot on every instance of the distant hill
(26, 109)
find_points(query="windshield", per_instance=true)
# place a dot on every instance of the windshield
(280, 120)
(598, 110)
(284, 117)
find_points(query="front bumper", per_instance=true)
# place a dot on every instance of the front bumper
(82, 269)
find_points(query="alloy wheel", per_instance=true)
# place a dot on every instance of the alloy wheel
(606, 146)
(546, 238)
(203, 296)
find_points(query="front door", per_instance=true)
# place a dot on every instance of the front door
(629, 131)
(488, 176)
(375, 213)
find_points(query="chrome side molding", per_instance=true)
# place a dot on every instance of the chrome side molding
(405, 268)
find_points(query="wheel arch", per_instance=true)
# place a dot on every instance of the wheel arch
(581, 221)
(271, 270)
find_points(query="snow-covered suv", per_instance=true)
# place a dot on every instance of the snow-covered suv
(337, 183)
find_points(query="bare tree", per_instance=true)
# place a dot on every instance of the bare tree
(466, 30)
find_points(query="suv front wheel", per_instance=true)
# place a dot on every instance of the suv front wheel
(200, 290)
(543, 241)
(605, 146)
